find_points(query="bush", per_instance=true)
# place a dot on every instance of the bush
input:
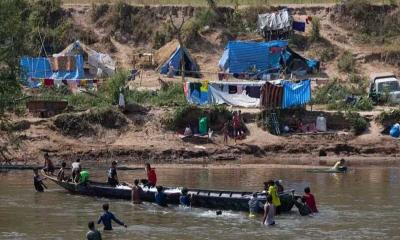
(98, 10)
(357, 122)
(187, 114)
(113, 85)
(82, 101)
(74, 125)
(388, 118)
(331, 92)
(107, 117)
(315, 29)
(171, 96)
(346, 62)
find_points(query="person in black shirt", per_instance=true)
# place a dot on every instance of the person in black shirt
(112, 174)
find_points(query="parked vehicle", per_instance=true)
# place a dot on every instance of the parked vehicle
(384, 87)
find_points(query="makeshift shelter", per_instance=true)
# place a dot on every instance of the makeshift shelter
(98, 64)
(170, 56)
(276, 25)
(265, 94)
(285, 94)
(259, 60)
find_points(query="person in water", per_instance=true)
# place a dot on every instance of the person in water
(269, 212)
(161, 198)
(273, 192)
(184, 199)
(38, 181)
(61, 173)
(137, 192)
(48, 166)
(340, 165)
(76, 170)
(108, 217)
(310, 200)
(151, 175)
(93, 233)
(112, 175)
(304, 210)
(255, 205)
(279, 186)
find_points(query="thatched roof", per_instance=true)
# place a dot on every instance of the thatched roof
(165, 52)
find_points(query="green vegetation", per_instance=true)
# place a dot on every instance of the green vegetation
(388, 118)
(83, 124)
(358, 123)
(188, 114)
(346, 63)
(315, 30)
(204, 2)
(170, 96)
(335, 92)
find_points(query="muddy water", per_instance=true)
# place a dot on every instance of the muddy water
(363, 204)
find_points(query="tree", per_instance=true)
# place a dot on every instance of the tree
(13, 35)
(177, 32)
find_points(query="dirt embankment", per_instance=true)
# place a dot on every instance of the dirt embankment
(136, 141)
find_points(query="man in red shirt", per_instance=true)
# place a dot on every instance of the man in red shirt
(310, 200)
(151, 175)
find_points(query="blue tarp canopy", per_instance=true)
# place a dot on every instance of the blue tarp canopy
(295, 94)
(261, 57)
(40, 68)
(175, 60)
(243, 56)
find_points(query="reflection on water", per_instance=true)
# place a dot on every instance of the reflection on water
(363, 204)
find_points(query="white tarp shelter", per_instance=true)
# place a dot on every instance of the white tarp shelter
(100, 64)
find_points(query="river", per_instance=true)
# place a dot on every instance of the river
(362, 204)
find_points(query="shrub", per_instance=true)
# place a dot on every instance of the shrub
(346, 62)
(73, 125)
(315, 29)
(113, 85)
(107, 117)
(331, 92)
(171, 96)
(98, 10)
(388, 118)
(358, 123)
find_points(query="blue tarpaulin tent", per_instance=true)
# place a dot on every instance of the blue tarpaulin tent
(243, 56)
(40, 68)
(295, 94)
(191, 66)
(260, 57)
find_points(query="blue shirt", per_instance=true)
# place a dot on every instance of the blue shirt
(184, 200)
(106, 219)
(161, 199)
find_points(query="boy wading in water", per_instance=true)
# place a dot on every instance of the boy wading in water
(93, 233)
(107, 217)
(38, 181)
(269, 212)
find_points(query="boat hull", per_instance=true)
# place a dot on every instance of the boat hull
(212, 199)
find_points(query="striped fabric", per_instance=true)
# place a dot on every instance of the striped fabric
(271, 96)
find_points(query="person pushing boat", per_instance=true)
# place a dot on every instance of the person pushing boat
(151, 175)
(160, 197)
(38, 181)
(108, 217)
(255, 205)
(112, 174)
(273, 192)
(137, 192)
(340, 166)
(93, 233)
(269, 212)
(184, 199)
(310, 200)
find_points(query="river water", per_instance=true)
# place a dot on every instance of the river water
(362, 204)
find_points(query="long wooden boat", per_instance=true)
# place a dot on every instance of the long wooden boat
(212, 199)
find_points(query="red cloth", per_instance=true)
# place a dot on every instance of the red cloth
(271, 96)
(48, 82)
(310, 201)
(152, 177)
